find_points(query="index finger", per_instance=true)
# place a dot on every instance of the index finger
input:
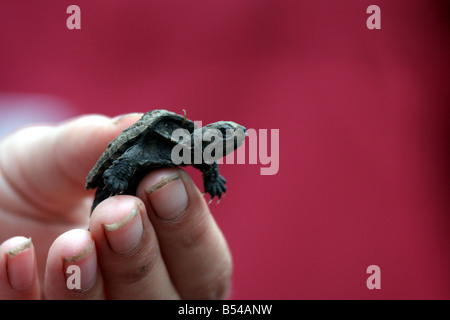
(192, 245)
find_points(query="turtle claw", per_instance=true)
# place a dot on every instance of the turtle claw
(216, 188)
(212, 198)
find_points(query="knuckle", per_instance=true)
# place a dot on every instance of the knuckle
(193, 234)
(217, 286)
(142, 264)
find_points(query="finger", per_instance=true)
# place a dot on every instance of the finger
(18, 271)
(47, 165)
(193, 247)
(72, 271)
(128, 251)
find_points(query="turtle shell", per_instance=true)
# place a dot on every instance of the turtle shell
(161, 122)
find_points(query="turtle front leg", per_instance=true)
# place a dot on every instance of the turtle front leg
(213, 182)
(117, 177)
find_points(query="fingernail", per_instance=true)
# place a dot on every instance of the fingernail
(21, 263)
(118, 119)
(82, 277)
(125, 235)
(168, 197)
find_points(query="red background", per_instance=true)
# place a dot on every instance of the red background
(363, 118)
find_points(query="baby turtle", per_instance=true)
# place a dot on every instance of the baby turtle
(156, 141)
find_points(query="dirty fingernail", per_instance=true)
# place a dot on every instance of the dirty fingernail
(21, 265)
(118, 119)
(125, 235)
(168, 197)
(81, 269)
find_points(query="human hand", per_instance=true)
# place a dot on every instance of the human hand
(161, 244)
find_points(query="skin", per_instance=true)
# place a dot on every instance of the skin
(161, 244)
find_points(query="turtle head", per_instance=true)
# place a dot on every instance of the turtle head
(219, 139)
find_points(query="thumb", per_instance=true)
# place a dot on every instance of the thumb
(45, 167)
